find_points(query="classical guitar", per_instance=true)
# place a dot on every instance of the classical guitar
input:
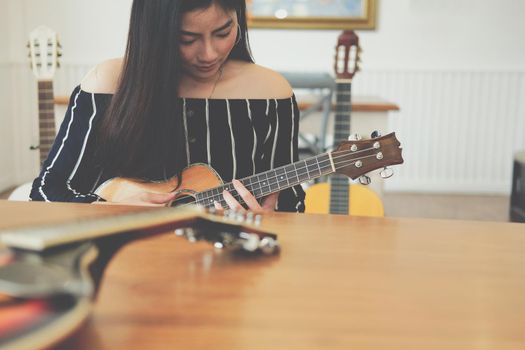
(336, 196)
(202, 185)
(44, 51)
(50, 275)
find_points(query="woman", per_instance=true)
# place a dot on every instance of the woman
(187, 91)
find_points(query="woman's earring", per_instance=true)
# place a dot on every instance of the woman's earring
(239, 34)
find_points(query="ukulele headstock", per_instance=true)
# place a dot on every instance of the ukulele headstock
(358, 157)
(347, 55)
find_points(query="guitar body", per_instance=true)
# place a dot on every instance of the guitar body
(195, 178)
(21, 193)
(365, 202)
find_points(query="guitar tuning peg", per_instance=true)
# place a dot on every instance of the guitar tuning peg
(375, 134)
(258, 219)
(354, 137)
(386, 173)
(58, 64)
(268, 245)
(28, 45)
(365, 180)
(239, 216)
(250, 241)
(250, 217)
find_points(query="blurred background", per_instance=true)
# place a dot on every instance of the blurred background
(448, 76)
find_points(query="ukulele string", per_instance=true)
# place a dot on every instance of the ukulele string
(340, 160)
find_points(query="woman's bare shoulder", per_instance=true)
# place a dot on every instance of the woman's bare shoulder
(104, 77)
(261, 82)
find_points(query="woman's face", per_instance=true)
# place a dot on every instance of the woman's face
(207, 37)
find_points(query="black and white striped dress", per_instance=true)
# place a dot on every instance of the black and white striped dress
(236, 137)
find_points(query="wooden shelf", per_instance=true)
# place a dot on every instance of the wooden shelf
(359, 104)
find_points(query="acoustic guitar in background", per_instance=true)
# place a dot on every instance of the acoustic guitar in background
(44, 51)
(333, 197)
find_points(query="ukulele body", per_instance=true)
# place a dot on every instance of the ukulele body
(195, 178)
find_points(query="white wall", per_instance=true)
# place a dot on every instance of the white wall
(455, 67)
(6, 136)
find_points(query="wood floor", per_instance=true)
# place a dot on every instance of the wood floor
(464, 207)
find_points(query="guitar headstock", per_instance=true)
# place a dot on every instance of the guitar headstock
(231, 230)
(347, 55)
(356, 158)
(228, 229)
(44, 52)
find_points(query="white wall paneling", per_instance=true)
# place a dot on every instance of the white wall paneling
(459, 129)
(456, 69)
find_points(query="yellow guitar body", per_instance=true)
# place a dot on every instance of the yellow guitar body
(362, 201)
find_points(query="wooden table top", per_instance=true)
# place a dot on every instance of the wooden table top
(339, 283)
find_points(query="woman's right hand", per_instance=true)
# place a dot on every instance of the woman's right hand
(143, 198)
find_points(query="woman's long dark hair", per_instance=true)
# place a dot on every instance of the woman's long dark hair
(142, 130)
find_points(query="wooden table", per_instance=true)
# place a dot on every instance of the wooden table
(339, 283)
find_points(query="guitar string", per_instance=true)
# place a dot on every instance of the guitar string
(299, 171)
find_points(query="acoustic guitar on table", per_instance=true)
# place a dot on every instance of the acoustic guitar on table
(336, 196)
(50, 275)
(44, 51)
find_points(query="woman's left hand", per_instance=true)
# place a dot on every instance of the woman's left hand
(268, 203)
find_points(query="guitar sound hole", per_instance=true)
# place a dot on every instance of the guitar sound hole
(182, 200)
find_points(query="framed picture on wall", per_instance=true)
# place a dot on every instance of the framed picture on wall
(312, 14)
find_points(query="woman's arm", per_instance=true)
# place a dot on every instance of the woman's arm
(73, 147)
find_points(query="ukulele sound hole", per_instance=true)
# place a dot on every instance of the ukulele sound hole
(182, 200)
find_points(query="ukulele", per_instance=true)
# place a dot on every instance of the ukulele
(202, 185)
(43, 55)
(334, 197)
(50, 275)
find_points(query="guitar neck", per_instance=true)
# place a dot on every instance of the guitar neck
(275, 180)
(339, 190)
(46, 118)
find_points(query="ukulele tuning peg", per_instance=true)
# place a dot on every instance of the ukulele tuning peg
(354, 137)
(375, 134)
(365, 180)
(386, 173)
